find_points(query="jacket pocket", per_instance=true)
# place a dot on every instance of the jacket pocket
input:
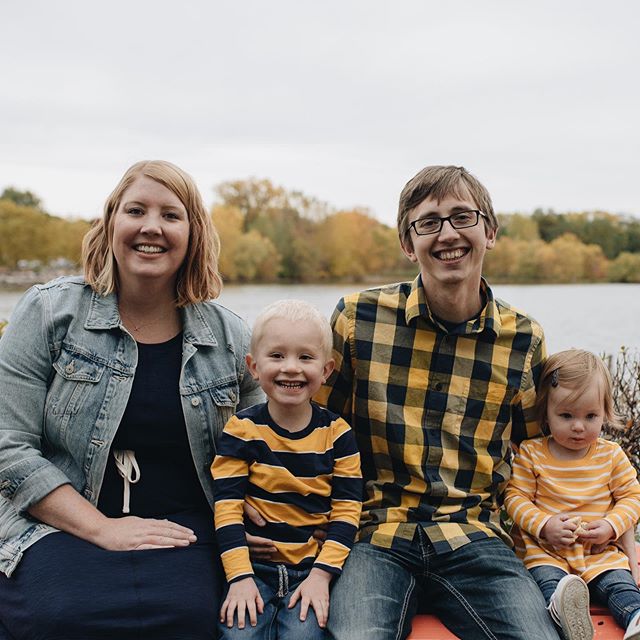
(75, 375)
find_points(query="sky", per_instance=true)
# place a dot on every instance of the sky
(343, 100)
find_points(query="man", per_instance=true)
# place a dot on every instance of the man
(436, 377)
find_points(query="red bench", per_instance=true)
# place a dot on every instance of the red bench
(428, 627)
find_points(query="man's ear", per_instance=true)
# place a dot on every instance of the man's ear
(251, 365)
(491, 237)
(407, 249)
(329, 366)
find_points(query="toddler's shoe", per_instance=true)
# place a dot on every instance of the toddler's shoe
(633, 630)
(569, 608)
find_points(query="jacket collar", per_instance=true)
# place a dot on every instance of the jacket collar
(488, 320)
(103, 315)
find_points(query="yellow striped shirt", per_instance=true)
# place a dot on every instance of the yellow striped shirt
(296, 481)
(603, 484)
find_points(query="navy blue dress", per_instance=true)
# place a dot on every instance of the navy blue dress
(65, 588)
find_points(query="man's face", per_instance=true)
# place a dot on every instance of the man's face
(451, 256)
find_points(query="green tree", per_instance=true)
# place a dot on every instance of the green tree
(21, 198)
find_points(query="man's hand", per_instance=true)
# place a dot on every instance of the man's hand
(597, 532)
(259, 548)
(559, 530)
(314, 591)
(132, 534)
(264, 548)
(243, 596)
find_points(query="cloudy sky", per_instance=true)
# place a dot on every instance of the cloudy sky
(342, 99)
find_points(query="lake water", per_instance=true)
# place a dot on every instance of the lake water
(598, 317)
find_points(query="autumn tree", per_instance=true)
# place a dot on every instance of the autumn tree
(27, 233)
(625, 268)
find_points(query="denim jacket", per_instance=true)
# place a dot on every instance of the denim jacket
(66, 370)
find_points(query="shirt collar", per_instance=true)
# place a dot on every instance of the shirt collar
(103, 314)
(488, 320)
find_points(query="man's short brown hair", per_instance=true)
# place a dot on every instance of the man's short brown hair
(440, 181)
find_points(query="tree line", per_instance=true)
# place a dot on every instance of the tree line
(269, 233)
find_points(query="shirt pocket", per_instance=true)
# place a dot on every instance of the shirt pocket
(76, 374)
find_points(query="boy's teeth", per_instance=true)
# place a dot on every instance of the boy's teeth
(291, 385)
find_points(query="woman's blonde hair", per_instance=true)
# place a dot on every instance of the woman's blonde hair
(198, 278)
(575, 369)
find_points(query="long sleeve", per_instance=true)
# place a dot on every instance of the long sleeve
(26, 367)
(230, 479)
(524, 420)
(625, 490)
(520, 494)
(346, 501)
(337, 393)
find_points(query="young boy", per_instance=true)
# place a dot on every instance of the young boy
(297, 465)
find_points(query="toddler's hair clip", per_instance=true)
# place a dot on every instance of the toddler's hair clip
(554, 378)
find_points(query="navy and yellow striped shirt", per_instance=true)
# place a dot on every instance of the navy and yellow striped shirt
(297, 481)
(434, 408)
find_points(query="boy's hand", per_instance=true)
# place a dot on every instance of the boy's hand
(242, 596)
(314, 591)
(559, 530)
(597, 532)
(259, 548)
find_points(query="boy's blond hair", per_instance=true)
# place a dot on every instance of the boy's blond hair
(294, 311)
(575, 369)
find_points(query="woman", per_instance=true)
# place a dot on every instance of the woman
(114, 388)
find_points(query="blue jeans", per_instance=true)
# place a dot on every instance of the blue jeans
(615, 589)
(479, 591)
(277, 620)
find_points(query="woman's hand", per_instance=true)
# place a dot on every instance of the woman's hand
(65, 509)
(314, 591)
(135, 534)
(242, 596)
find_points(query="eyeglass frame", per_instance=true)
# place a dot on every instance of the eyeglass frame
(412, 225)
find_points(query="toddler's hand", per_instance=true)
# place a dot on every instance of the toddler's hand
(597, 532)
(314, 591)
(559, 530)
(242, 596)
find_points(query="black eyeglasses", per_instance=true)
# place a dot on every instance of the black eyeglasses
(433, 224)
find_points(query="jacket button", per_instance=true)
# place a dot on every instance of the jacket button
(70, 368)
(195, 402)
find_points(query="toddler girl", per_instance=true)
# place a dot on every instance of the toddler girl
(572, 494)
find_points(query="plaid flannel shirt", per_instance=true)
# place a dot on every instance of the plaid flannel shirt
(434, 409)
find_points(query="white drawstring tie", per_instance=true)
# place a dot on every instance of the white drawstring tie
(128, 468)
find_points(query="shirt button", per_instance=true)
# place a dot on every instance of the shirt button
(70, 368)
(195, 402)
(439, 386)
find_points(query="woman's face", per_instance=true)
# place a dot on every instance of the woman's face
(150, 234)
